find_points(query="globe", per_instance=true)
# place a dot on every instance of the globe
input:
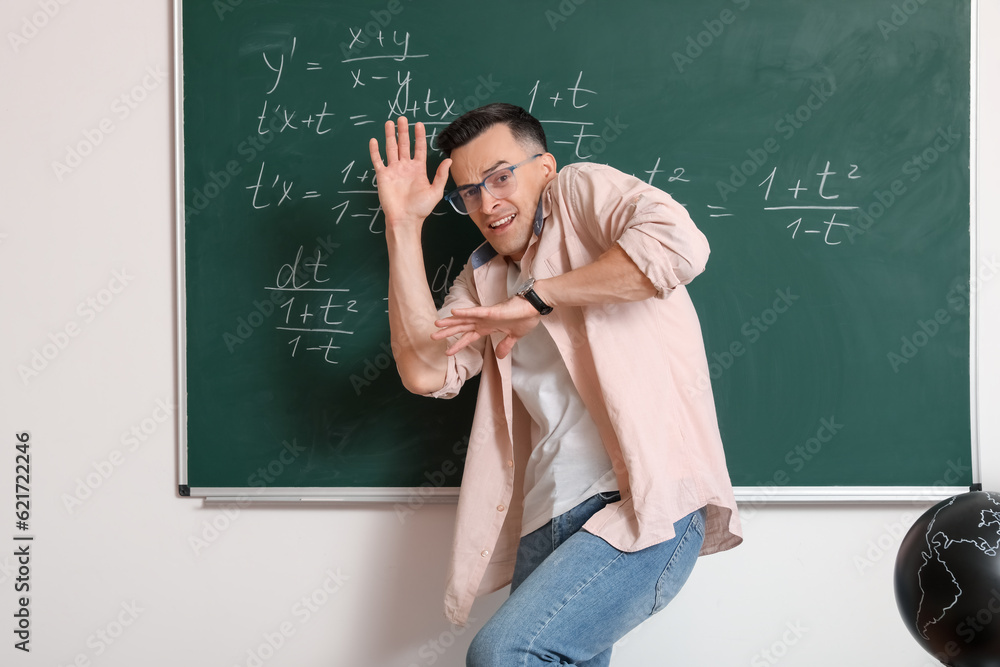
(947, 580)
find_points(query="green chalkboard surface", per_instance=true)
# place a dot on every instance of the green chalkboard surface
(823, 148)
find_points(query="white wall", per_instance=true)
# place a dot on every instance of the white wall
(62, 241)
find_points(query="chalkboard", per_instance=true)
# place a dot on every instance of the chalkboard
(823, 148)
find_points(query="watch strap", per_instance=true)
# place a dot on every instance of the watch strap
(528, 292)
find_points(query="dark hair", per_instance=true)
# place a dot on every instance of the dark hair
(525, 127)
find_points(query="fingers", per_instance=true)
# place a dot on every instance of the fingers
(441, 177)
(470, 315)
(502, 350)
(391, 151)
(403, 138)
(449, 329)
(376, 156)
(420, 143)
(471, 312)
(397, 149)
(463, 342)
(505, 346)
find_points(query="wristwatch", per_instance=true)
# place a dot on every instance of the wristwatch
(527, 290)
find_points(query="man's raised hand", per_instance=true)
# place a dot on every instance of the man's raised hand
(406, 194)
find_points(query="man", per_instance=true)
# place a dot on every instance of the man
(595, 464)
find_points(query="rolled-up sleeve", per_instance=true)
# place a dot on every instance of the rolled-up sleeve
(654, 230)
(468, 361)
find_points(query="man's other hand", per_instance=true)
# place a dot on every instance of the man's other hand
(514, 317)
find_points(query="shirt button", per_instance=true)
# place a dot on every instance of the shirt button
(500, 508)
(485, 553)
(510, 464)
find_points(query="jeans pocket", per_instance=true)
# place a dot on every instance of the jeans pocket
(682, 560)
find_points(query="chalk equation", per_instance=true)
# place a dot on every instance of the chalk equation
(313, 313)
(380, 76)
(403, 96)
(826, 201)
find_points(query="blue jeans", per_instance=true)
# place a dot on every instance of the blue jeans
(573, 595)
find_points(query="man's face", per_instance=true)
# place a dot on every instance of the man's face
(507, 224)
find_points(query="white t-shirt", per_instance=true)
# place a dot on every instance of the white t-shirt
(568, 462)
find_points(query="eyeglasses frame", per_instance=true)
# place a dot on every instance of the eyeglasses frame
(457, 192)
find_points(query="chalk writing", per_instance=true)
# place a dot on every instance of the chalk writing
(312, 307)
(384, 74)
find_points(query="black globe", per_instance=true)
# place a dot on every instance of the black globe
(947, 580)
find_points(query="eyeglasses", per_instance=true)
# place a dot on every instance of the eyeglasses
(501, 184)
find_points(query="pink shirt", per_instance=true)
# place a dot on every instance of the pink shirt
(640, 368)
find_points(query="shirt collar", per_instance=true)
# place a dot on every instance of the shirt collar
(541, 213)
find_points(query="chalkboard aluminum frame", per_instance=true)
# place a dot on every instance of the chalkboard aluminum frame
(420, 495)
